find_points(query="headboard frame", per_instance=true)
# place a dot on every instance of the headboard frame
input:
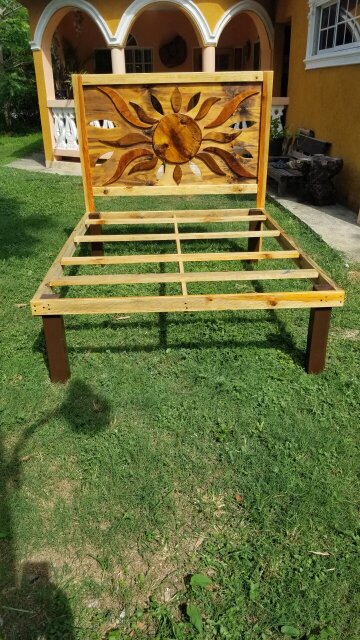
(178, 134)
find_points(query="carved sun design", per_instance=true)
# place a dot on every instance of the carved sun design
(176, 138)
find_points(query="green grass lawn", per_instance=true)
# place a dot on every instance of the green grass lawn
(183, 444)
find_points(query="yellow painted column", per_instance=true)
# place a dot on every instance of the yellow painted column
(208, 59)
(118, 60)
(43, 97)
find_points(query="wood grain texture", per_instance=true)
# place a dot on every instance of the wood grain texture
(151, 237)
(175, 77)
(67, 251)
(209, 215)
(193, 276)
(105, 220)
(233, 256)
(184, 190)
(83, 142)
(263, 152)
(158, 117)
(172, 304)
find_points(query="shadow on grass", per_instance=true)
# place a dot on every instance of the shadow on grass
(280, 338)
(25, 151)
(17, 231)
(31, 605)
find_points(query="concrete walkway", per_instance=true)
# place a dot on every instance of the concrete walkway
(335, 224)
(36, 162)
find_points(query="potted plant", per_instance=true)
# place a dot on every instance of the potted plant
(277, 136)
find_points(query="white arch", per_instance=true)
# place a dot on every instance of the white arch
(81, 5)
(187, 6)
(249, 6)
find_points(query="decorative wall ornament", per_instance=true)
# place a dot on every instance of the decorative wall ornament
(173, 53)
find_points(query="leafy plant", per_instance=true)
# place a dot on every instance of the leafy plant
(291, 632)
(276, 129)
(17, 79)
(199, 580)
(194, 616)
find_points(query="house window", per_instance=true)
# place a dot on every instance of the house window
(334, 33)
(138, 60)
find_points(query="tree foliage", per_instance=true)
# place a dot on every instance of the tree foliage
(17, 80)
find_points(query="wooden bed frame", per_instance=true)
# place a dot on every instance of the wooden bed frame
(177, 134)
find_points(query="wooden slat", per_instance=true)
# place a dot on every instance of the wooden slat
(176, 77)
(186, 257)
(180, 213)
(202, 235)
(67, 251)
(304, 261)
(205, 218)
(170, 304)
(181, 190)
(205, 276)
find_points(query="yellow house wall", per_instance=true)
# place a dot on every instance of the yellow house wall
(112, 11)
(325, 100)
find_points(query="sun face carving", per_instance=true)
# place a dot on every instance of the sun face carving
(168, 135)
(177, 138)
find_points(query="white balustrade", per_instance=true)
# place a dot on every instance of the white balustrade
(277, 109)
(65, 129)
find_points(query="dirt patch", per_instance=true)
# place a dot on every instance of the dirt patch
(354, 275)
(70, 563)
(347, 334)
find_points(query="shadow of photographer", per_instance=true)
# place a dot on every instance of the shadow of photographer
(31, 604)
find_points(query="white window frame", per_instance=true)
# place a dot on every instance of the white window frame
(132, 49)
(335, 57)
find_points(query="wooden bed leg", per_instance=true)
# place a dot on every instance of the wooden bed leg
(319, 326)
(97, 248)
(55, 340)
(254, 244)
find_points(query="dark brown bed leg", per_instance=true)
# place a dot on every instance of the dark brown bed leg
(97, 248)
(55, 340)
(319, 326)
(254, 244)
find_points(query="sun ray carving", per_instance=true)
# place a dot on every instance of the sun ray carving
(221, 137)
(176, 100)
(194, 101)
(211, 163)
(125, 161)
(176, 125)
(231, 161)
(145, 165)
(145, 117)
(177, 175)
(123, 109)
(230, 107)
(205, 108)
(128, 141)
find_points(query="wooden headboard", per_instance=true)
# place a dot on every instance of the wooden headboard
(178, 134)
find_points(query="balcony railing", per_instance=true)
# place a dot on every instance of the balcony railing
(66, 142)
(278, 107)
